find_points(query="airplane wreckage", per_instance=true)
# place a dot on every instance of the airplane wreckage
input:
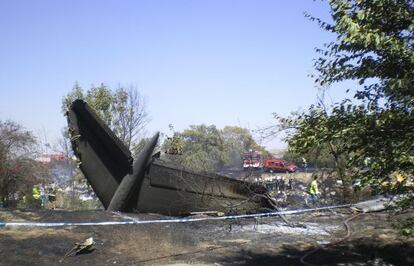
(148, 184)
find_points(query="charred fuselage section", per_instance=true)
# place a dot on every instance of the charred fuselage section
(146, 184)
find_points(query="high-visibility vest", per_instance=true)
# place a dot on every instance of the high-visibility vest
(313, 189)
(36, 193)
(400, 178)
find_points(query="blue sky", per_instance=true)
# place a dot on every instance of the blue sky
(201, 61)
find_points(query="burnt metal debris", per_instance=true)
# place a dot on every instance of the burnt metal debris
(148, 184)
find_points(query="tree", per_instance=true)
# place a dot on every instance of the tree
(239, 140)
(374, 128)
(99, 98)
(18, 171)
(123, 110)
(314, 133)
(206, 148)
(203, 148)
(316, 157)
(129, 115)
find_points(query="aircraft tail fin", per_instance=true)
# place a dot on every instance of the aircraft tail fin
(105, 159)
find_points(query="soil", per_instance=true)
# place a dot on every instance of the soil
(264, 241)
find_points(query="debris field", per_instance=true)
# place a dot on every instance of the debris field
(254, 241)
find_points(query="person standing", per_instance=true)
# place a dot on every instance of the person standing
(313, 189)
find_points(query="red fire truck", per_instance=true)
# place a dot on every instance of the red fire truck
(252, 160)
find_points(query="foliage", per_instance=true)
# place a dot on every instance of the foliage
(406, 227)
(316, 157)
(206, 148)
(174, 145)
(18, 171)
(238, 140)
(314, 131)
(123, 110)
(129, 115)
(374, 47)
(203, 149)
